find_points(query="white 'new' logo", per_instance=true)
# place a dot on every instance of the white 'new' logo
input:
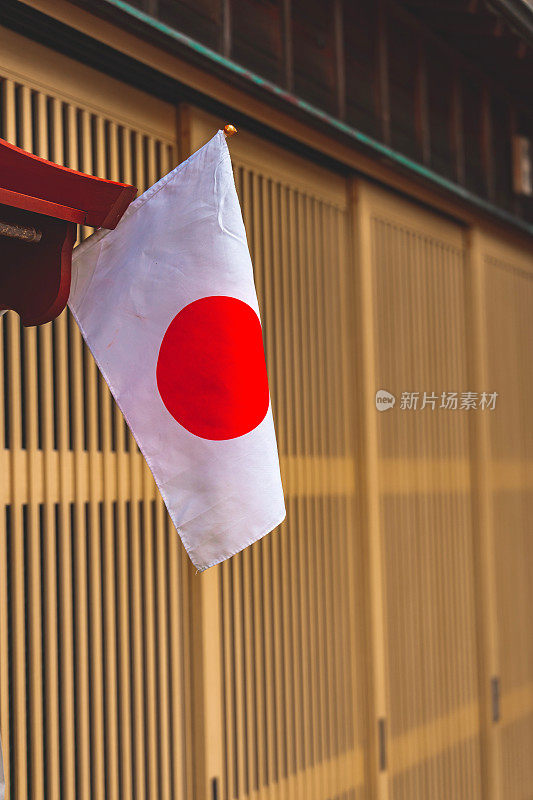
(384, 400)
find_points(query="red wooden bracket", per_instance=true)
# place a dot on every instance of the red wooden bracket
(35, 277)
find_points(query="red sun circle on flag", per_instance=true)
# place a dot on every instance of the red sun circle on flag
(211, 372)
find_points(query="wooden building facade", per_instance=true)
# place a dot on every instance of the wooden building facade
(378, 645)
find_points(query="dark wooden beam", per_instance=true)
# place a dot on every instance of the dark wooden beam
(486, 142)
(421, 105)
(383, 72)
(457, 127)
(455, 23)
(225, 28)
(521, 49)
(506, 49)
(338, 20)
(468, 6)
(287, 45)
(513, 131)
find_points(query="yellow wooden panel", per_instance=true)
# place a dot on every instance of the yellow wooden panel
(289, 679)
(426, 562)
(91, 609)
(508, 288)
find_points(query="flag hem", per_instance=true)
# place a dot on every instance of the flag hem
(269, 528)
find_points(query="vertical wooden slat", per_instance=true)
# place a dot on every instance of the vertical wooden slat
(205, 638)
(34, 565)
(138, 732)
(279, 383)
(123, 577)
(307, 519)
(483, 520)
(94, 555)
(18, 744)
(187, 572)
(231, 764)
(326, 445)
(94, 570)
(370, 485)
(321, 709)
(177, 641)
(290, 446)
(82, 758)
(268, 725)
(51, 594)
(19, 776)
(260, 646)
(351, 555)
(150, 687)
(266, 221)
(163, 651)
(109, 531)
(507, 286)
(255, 739)
(9, 118)
(33, 516)
(51, 656)
(4, 601)
(293, 557)
(324, 227)
(238, 668)
(152, 167)
(335, 231)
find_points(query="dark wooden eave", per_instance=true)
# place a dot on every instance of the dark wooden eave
(77, 44)
(497, 35)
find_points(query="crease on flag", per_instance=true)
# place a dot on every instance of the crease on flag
(147, 195)
(225, 163)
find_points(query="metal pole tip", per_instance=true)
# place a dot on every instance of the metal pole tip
(230, 130)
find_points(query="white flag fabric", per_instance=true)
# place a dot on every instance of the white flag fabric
(167, 304)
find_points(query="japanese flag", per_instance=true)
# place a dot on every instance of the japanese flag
(166, 302)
